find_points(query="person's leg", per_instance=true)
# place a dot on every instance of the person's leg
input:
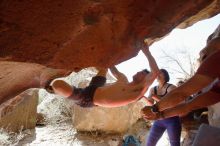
(97, 81)
(62, 88)
(174, 131)
(85, 97)
(100, 79)
(155, 134)
(102, 71)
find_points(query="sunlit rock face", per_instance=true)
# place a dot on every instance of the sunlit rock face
(75, 34)
(110, 120)
(20, 112)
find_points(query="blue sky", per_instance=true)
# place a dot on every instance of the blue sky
(190, 40)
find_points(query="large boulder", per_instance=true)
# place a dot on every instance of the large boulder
(75, 34)
(16, 77)
(109, 120)
(20, 112)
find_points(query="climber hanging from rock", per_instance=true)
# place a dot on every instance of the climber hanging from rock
(120, 93)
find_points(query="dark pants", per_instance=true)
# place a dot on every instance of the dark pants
(173, 127)
(84, 96)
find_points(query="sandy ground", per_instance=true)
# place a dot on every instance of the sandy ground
(63, 134)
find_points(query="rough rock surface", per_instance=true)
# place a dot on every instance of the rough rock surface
(20, 112)
(205, 13)
(109, 120)
(16, 77)
(76, 34)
